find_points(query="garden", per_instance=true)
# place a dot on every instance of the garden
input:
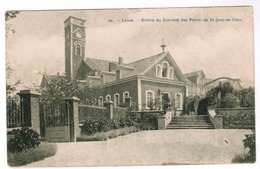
(103, 129)
(24, 147)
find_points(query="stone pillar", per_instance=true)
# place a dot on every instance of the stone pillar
(161, 122)
(73, 117)
(218, 122)
(109, 105)
(128, 101)
(30, 109)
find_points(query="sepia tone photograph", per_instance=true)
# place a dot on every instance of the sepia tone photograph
(130, 87)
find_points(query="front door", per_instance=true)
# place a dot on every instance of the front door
(165, 101)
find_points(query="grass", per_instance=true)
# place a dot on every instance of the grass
(31, 155)
(103, 136)
(244, 158)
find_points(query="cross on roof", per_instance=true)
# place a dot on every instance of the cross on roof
(163, 45)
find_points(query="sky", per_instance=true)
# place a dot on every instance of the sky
(223, 48)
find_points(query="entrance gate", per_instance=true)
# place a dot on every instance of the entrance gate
(60, 122)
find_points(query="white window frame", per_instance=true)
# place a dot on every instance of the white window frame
(102, 102)
(160, 70)
(171, 76)
(146, 94)
(118, 101)
(167, 70)
(124, 95)
(108, 96)
(80, 52)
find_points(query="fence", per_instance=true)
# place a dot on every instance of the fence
(14, 115)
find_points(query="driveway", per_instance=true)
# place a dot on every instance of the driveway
(192, 146)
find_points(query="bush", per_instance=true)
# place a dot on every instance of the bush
(250, 157)
(241, 121)
(32, 155)
(22, 139)
(148, 122)
(230, 101)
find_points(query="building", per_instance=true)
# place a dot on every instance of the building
(144, 81)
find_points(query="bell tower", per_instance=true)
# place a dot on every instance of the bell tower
(74, 45)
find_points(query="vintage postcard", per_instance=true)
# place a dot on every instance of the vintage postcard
(130, 87)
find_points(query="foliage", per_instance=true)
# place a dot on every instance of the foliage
(22, 139)
(57, 87)
(246, 97)
(103, 136)
(189, 104)
(222, 96)
(8, 16)
(154, 104)
(250, 157)
(147, 122)
(230, 101)
(240, 121)
(32, 155)
(92, 125)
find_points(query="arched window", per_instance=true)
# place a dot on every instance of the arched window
(100, 101)
(158, 71)
(78, 49)
(125, 95)
(108, 98)
(171, 73)
(116, 100)
(165, 68)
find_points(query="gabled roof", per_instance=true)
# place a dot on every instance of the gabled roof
(140, 66)
(48, 78)
(98, 64)
(192, 74)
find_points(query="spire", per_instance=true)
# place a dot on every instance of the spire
(163, 45)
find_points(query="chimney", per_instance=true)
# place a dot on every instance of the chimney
(120, 60)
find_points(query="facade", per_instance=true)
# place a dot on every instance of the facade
(144, 80)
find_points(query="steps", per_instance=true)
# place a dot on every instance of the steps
(190, 122)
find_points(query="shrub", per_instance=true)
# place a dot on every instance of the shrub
(241, 121)
(91, 126)
(22, 139)
(250, 157)
(96, 137)
(32, 155)
(230, 101)
(147, 122)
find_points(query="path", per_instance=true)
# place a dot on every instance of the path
(192, 146)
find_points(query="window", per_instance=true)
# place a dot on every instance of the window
(171, 73)
(116, 100)
(158, 71)
(149, 98)
(78, 49)
(108, 98)
(165, 67)
(125, 95)
(100, 101)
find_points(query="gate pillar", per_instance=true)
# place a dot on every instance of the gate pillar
(30, 109)
(73, 117)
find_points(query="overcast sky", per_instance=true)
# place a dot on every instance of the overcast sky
(218, 48)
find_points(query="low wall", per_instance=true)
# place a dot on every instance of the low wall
(237, 118)
(216, 120)
(96, 112)
(119, 112)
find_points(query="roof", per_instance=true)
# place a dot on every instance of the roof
(48, 78)
(140, 66)
(192, 74)
(98, 64)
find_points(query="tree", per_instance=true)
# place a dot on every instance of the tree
(230, 101)
(246, 97)
(8, 16)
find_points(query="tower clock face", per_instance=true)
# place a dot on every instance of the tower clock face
(78, 35)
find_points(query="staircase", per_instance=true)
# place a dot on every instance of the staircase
(190, 122)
